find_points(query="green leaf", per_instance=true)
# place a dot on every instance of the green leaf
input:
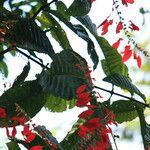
(124, 110)
(23, 75)
(124, 83)
(82, 33)
(28, 96)
(87, 22)
(57, 104)
(79, 7)
(27, 35)
(63, 77)
(4, 68)
(57, 32)
(113, 61)
(62, 8)
(6, 15)
(13, 146)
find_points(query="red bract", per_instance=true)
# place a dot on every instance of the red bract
(2, 113)
(14, 132)
(20, 120)
(116, 44)
(81, 89)
(83, 102)
(38, 147)
(133, 26)
(125, 2)
(28, 134)
(86, 113)
(139, 61)
(105, 25)
(119, 27)
(93, 124)
(127, 53)
(7, 132)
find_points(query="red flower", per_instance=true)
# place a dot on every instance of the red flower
(38, 147)
(20, 120)
(119, 27)
(127, 53)
(92, 124)
(125, 2)
(116, 44)
(83, 130)
(86, 113)
(105, 25)
(30, 136)
(139, 61)
(81, 88)
(2, 113)
(133, 26)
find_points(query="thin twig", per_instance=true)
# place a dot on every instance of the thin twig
(5, 51)
(29, 57)
(130, 98)
(41, 8)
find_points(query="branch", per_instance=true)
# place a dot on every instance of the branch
(6, 51)
(29, 57)
(130, 98)
(41, 8)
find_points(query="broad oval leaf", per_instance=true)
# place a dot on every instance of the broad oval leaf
(28, 96)
(113, 61)
(79, 7)
(57, 32)
(124, 83)
(63, 78)
(57, 104)
(13, 146)
(124, 110)
(28, 35)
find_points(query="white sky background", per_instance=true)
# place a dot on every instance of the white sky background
(62, 122)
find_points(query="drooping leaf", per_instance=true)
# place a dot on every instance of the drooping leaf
(62, 8)
(79, 7)
(87, 22)
(57, 32)
(4, 68)
(82, 33)
(124, 83)
(26, 34)
(113, 61)
(28, 96)
(57, 104)
(124, 110)
(23, 75)
(13, 146)
(63, 77)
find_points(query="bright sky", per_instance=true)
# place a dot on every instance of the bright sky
(62, 122)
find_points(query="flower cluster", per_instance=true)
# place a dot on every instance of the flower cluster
(130, 49)
(94, 127)
(11, 132)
